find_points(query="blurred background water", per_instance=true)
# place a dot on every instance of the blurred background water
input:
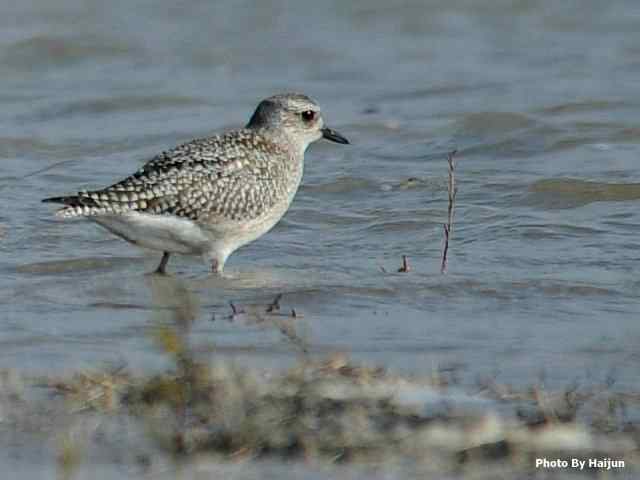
(540, 99)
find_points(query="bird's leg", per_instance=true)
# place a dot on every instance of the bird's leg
(216, 257)
(217, 265)
(163, 263)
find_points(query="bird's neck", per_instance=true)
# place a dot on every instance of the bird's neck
(280, 137)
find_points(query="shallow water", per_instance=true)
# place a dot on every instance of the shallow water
(539, 99)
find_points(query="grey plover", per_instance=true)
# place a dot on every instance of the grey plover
(211, 195)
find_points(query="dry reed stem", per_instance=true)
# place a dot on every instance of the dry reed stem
(448, 227)
(404, 268)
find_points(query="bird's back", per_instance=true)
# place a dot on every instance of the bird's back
(236, 176)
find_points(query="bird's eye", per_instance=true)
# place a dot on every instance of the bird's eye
(308, 115)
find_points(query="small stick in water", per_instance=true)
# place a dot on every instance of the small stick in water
(275, 305)
(452, 189)
(448, 227)
(443, 265)
(404, 268)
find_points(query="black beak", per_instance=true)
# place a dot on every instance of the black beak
(334, 136)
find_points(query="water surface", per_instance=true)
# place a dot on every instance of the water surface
(540, 100)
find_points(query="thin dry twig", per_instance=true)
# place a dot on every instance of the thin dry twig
(275, 305)
(404, 268)
(443, 265)
(270, 315)
(452, 189)
(235, 311)
(448, 227)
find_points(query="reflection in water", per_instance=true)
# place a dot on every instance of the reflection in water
(172, 300)
(176, 308)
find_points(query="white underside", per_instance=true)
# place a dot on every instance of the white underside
(215, 241)
(166, 233)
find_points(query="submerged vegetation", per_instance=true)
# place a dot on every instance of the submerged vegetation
(327, 410)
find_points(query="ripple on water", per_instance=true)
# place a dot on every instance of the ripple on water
(46, 50)
(343, 184)
(490, 123)
(557, 230)
(398, 226)
(506, 134)
(74, 265)
(128, 103)
(593, 105)
(572, 193)
(436, 91)
(11, 147)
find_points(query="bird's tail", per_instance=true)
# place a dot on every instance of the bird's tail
(80, 205)
(72, 201)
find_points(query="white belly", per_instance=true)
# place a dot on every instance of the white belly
(166, 233)
(213, 237)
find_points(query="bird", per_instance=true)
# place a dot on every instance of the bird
(211, 195)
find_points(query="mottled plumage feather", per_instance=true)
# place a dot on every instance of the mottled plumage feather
(236, 175)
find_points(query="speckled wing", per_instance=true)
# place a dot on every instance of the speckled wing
(232, 176)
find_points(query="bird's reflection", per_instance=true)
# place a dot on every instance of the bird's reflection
(177, 306)
(175, 309)
(173, 301)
